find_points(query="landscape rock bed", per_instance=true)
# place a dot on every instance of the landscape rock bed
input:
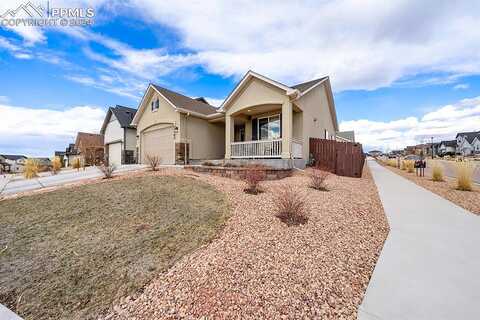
(260, 268)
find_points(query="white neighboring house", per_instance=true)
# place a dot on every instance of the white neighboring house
(476, 145)
(120, 137)
(16, 162)
(465, 141)
(447, 147)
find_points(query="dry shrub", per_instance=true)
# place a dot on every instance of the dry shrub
(410, 166)
(464, 176)
(153, 162)
(402, 165)
(56, 165)
(290, 206)
(254, 174)
(318, 178)
(107, 170)
(31, 169)
(437, 172)
(392, 162)
(77, 163)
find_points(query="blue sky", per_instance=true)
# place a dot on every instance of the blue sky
(392, 84)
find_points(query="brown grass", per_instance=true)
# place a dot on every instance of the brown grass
(31, 169)
(56, 165)
(410, 166)
(72, 253)
(464, 176)
(290, 204)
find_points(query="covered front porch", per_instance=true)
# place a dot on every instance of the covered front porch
(264, 131)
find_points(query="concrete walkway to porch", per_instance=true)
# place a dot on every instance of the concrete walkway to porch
(429, 267)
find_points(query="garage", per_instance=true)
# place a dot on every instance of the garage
(160, 143)
(115, 154)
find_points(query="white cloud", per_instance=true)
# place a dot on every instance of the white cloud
(360, 44)
(461, 86)
(442, 124)
(40, 131)
(214, 102)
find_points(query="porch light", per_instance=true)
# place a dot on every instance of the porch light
(249, 110)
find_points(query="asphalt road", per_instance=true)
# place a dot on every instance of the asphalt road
(14, 184)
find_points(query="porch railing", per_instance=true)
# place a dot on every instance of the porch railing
(297, 148)
(257, 149)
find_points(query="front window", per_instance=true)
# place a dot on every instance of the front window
(269, 128)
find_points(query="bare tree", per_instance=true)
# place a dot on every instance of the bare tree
(153, 161)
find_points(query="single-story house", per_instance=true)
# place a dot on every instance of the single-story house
(447, 147)
(260, 119)
(120, 137)
(15, 162)
(465, 142)
(90, 148)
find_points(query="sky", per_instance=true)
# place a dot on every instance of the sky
(401, 71)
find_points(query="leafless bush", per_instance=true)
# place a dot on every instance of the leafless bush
(290, 206)
(153, 162)
(31, 169)
(107, 170)
(254, 174)
(318, 178)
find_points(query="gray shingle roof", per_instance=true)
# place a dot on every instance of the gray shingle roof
(470, 136)
(124, 115)
(13, 157)
(304, 86)
(181, 101)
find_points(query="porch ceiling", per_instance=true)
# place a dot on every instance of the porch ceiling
(256, 110)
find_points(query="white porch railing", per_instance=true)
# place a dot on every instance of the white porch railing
(257, 149)
(297, 148)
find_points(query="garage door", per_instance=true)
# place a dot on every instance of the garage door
(115, 154)
(159, 143)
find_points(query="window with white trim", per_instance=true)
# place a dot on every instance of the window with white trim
(155, 104)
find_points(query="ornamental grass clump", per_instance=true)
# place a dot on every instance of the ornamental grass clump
(410, 165)
(31, 169)
(77, 163)
(291, 206)
(254, 174)
(318, 178)
(402, 165)
(437, 172)
(56, 165)
(464, 176)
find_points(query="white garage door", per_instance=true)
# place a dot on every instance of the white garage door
(159, 143)
(115, 154)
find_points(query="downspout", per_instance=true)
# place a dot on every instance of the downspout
(186, 139)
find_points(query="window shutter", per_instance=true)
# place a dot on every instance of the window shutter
(254, 129)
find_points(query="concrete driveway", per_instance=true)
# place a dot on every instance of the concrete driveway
(430, 264)
(15, 184)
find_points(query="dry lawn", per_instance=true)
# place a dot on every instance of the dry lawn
(71, 253)
(469, 200)
(260, 268)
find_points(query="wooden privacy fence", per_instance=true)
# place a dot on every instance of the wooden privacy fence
(341, 158)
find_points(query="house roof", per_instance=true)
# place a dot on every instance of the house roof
(469, 136)
(123, 114)
(304, 86)
(89, 139)
(59, 153)
(13, 157)
(449, 143)
(184, 102)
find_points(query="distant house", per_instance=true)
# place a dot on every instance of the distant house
(90, 148)
(16, 162)
(44, 163)
(61, 155)
(345, 136)
(476, 145)
(70, 154)
(375, 153)
(447, 148)
(465, 142)
(120, 137)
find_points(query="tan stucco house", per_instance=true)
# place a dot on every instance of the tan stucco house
(260, 119)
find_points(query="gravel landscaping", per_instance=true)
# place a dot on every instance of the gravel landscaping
(469, 200)
(260, 268)
(71, 253)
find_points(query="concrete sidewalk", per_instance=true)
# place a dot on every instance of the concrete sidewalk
(430, 264)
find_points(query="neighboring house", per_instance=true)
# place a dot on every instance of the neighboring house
(346, 136)
(175, 128)
(16, 162)
(465, 141)
(70, 154)
(90, 148)
(375, 153)
(44, 163)
(4, 166)
(447, 148)
(260, 119)
(61, 155)
(476, 145)
(120, 137)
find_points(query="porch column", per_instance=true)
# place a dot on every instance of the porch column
(229, 134)
(287, 128)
